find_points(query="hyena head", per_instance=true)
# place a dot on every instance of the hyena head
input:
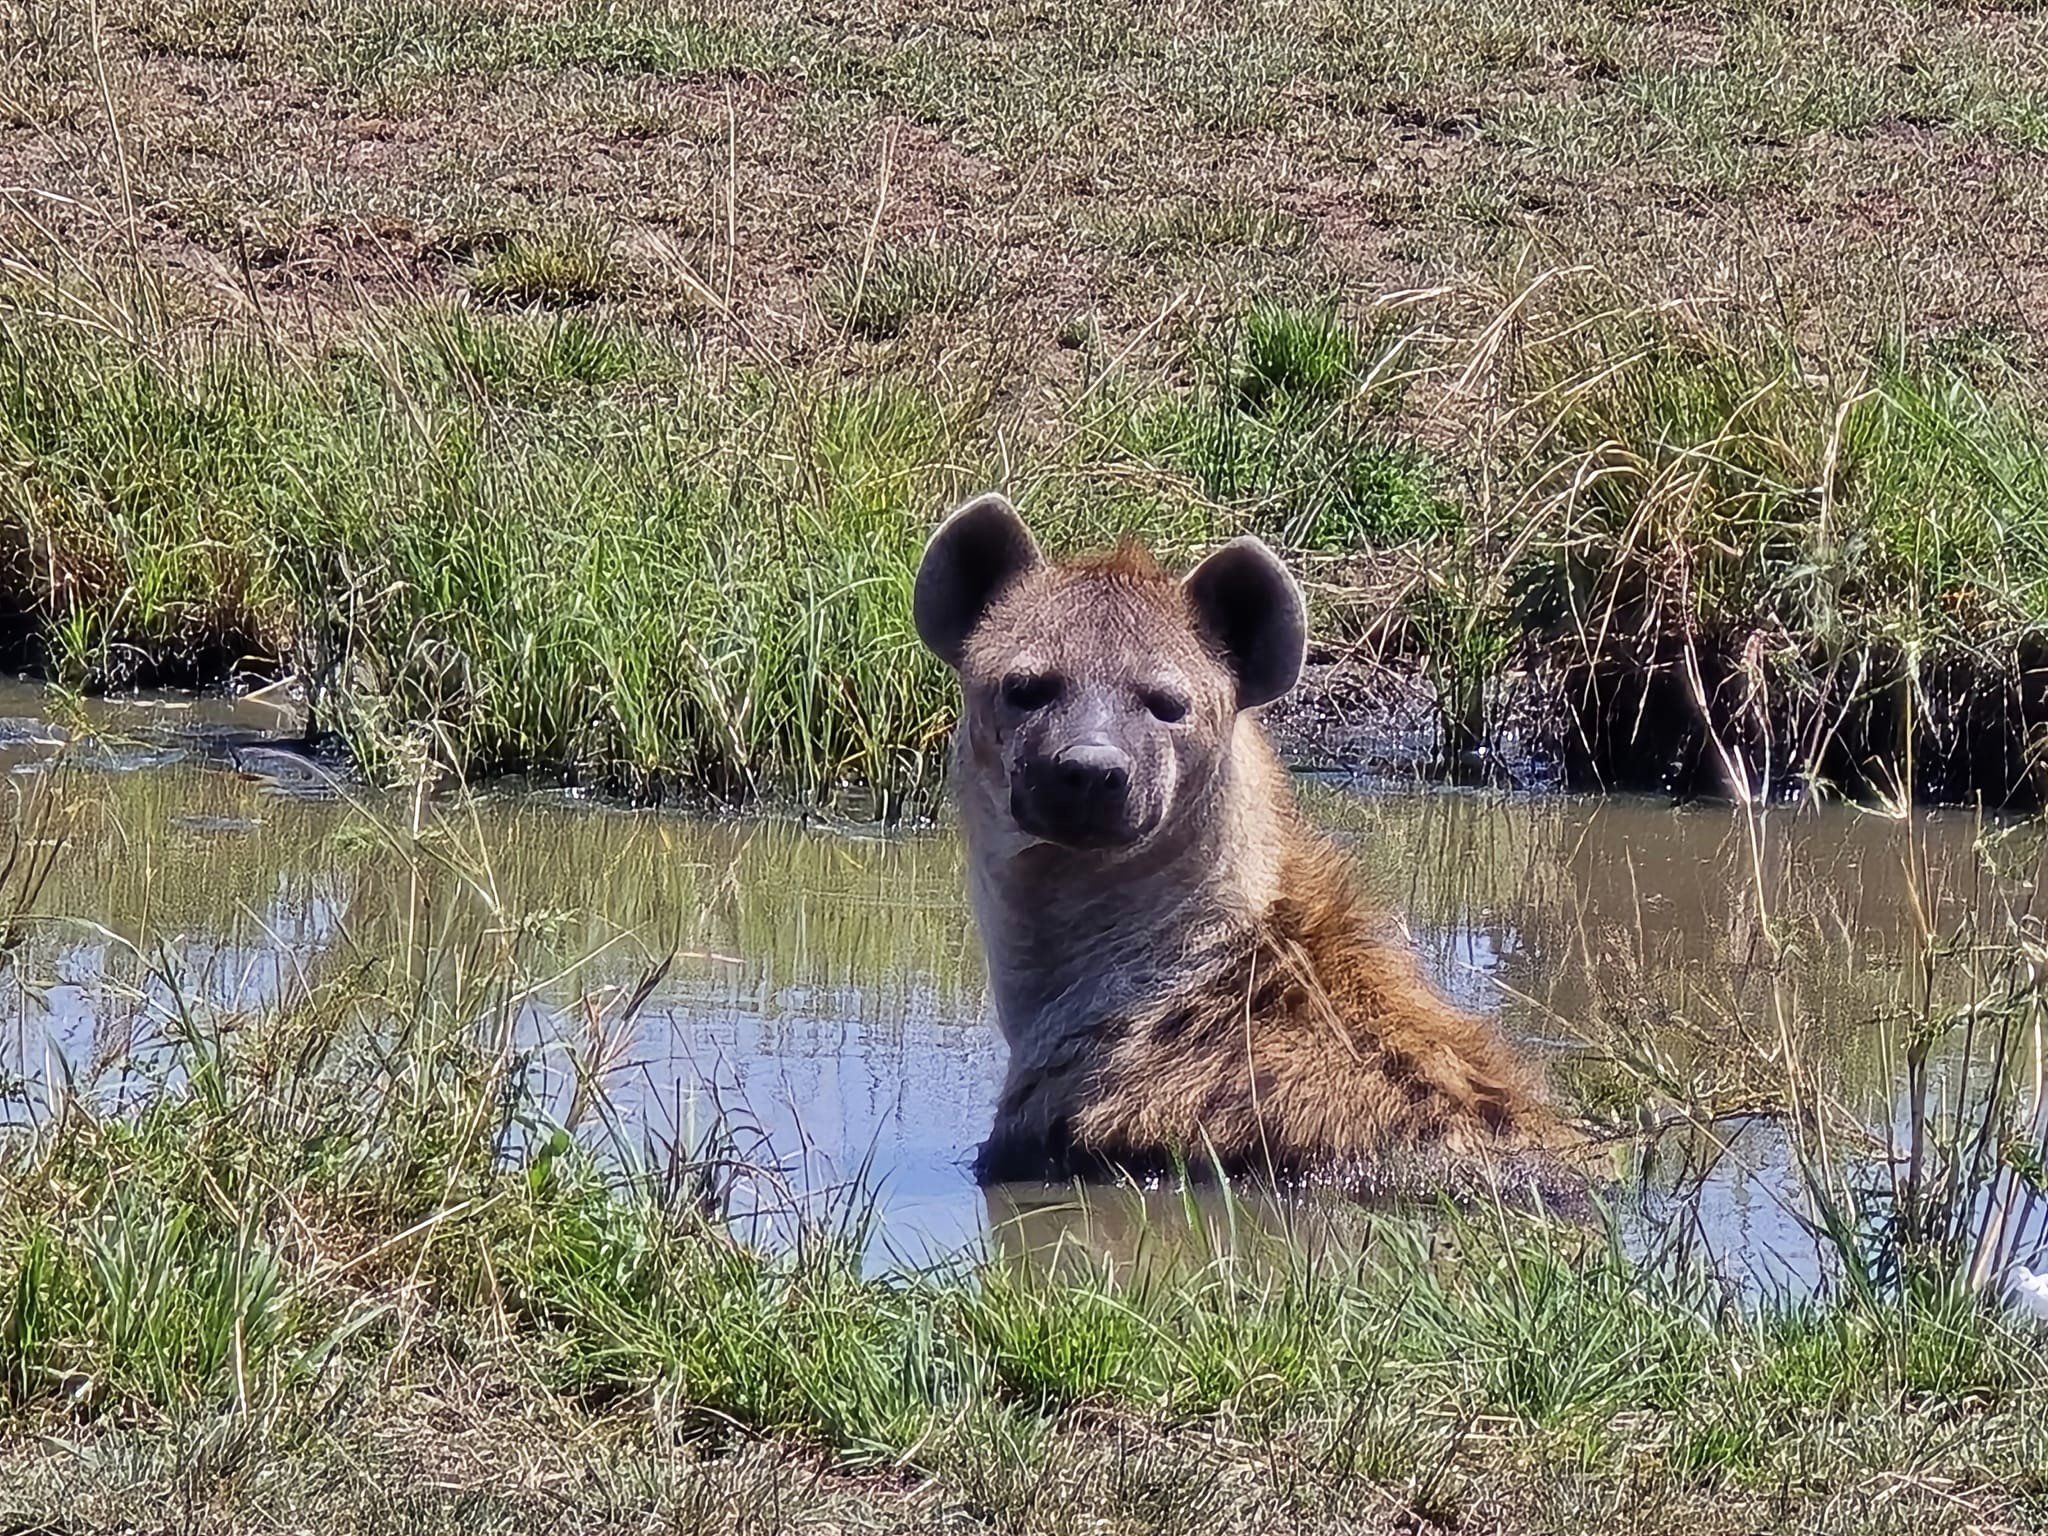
(1101, 695)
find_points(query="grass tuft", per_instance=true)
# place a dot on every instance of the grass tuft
(1303, 355)
(551, 271)
(878, 297)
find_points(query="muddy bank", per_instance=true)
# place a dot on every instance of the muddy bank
(1687, 722)
(1379, 721)
(1711, 719)
(1718, 718)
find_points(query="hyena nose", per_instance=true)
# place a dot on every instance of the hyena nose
(1080, 796)
(1094, 775)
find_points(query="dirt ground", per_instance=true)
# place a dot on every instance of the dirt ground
(993, 188)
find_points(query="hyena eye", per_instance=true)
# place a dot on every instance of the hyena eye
(1166, 705)
(1030, 690)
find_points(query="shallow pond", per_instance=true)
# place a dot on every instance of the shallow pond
(825, 1003)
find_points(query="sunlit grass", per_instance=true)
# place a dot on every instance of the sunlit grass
(494, 544)
(552, 271)
(564, 544)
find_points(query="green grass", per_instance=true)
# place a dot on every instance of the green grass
(1197, 225)
(400, 45)
(1757, 496)
(1830, 504)
(525, 545)
(878, 296)
(552, 271)
(1791, 538)
(566, 544)
(548, 543)
(1291, 421)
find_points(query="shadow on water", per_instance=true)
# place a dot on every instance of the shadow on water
(819, 997)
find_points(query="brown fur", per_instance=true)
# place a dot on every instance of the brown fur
(1303, 1042)
(1216, 993)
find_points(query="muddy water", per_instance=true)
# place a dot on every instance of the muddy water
(825, 1004)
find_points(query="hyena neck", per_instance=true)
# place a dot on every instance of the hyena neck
(1074, 938)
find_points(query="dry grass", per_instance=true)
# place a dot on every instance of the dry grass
(1848, 163)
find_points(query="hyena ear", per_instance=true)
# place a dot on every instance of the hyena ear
(980, 549)
(1252, 611)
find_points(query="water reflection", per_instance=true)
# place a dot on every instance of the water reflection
(823, 992)
(1141, 1229)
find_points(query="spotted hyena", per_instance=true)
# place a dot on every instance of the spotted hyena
(1180, 964)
